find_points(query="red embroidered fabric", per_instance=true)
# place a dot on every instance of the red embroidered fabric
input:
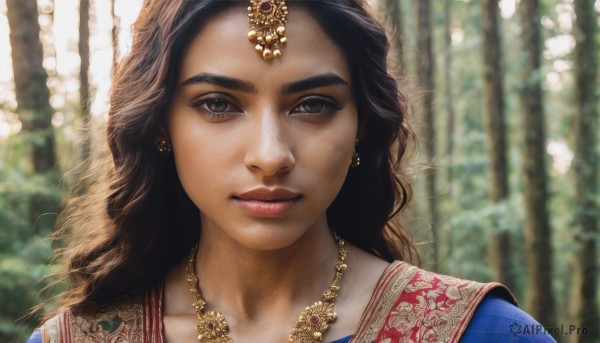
(413, 305)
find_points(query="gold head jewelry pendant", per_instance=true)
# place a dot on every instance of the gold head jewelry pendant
(267, 27)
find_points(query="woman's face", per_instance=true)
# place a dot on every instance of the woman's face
(262, 148)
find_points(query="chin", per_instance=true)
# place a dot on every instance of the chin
(268, 238)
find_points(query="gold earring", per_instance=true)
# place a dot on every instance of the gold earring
(355, 160)
(163, 146)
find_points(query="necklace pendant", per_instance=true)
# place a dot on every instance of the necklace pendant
(212, 327)
(313, 322)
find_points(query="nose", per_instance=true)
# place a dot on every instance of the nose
(269, 149)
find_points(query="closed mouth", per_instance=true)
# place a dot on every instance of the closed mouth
(267, 203)
(268, 195)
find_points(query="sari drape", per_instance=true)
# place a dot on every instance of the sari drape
(408, 305)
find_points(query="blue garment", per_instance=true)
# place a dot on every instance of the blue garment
(495, 321)
(36, 337)
(343, 340)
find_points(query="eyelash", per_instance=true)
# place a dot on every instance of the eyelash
(328, 103)
(200, 104)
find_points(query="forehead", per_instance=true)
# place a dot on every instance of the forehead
(222, 47)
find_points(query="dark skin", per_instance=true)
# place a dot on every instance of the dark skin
(238, 123)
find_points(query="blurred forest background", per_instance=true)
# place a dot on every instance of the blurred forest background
(505, 94)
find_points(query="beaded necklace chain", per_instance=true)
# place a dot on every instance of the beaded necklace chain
(310, 326)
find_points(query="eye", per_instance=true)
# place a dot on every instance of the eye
(315, 106)
(216, 107)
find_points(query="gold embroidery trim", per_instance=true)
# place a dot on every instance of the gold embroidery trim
(389, 288)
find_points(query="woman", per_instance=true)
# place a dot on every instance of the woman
(254, 174)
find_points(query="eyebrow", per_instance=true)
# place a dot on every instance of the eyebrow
(220, 80)
(316, 81)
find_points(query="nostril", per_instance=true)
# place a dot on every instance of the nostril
(268, 149)
(270, 162)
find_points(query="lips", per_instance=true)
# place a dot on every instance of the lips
(267, 194)
(267, 202)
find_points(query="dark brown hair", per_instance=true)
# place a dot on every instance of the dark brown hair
(135, 221)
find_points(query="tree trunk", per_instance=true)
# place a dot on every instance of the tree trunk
(33, 96)
(450, 114)
(448, 93)
(495, 128)
(540, 298)
(585, 169)
(426, 72)
(84, 85)
(47, 36)
(115, 36)
(394, 25)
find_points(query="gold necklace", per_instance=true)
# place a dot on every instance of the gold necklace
(310, 326)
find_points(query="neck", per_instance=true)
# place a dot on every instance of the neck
(260, 282)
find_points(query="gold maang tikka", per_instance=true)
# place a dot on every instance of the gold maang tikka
(267, 21)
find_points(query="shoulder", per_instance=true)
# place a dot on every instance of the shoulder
(497, 320)
(50, 331)
(125, 317)
(413, 303)
(409, 282)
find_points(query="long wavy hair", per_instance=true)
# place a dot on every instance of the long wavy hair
(134, 221)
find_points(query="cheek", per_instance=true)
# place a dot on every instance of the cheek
(193, 169)
(336, 145)
(329, 156)
(201, 159)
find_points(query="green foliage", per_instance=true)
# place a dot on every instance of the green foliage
(22, 278)
(25, 250)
